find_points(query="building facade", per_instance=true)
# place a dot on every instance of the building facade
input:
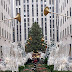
(65, 25)
(5, 28)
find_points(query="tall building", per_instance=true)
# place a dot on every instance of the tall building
(5, 28)
(32, 11)
(52, 20)
(65, 26)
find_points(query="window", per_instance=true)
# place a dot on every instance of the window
(19, 2)
(24, 20)
(67, 1)
(2, 31)
(50, 33)
(45, 19)
(49, 1)
(50, 23)
(16, 11)
(32, 1)
(27, 1)
(32, 19)
(61, 8)
(67, 14)
(53, 2)
(53, 9)
(4, 4)
(63, 20)
(70, 11)
(19, 10)
(2, 16)
(65, 31)
(8, 10)
(53, 36)
(44, 0)
(6, 7)
(36, 0)
(70, 29)
(24, 24)
(16, 2)
(65, 17)
(24, 1)
(32, 10)
(53, 15)
(5, 33)
(53, 23)
(28, 19)
(45, 29)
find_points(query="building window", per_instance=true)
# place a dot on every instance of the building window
(70, 51)
(19, 2)
(70, 29)
(49, 1)
(28, 10)
(50, 23)
(6, 7)
(24, 1)
(67, 1)
(50, 33)
(5, 33)
(65, 31)
(8, 10)
(45, 29)
(32, 1)
(16, 2)
(67, 14)
(53, 36)
(61, 8)
(2, 16)
(36, 0)
(45, 19)
(19, 10)
(42, 24)
(53, 2)
(27, 1)
(53, 23)
(32, 10)
(53, 9)
(53, 15)
(4, 4)
(44, 0)
(63, 20)
(65, 17)
(70, 11)
(33, 20)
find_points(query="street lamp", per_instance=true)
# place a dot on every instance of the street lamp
(18, 17)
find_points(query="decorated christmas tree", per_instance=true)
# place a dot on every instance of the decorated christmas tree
(35, 40)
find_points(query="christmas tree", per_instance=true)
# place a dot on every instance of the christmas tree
(35, 40)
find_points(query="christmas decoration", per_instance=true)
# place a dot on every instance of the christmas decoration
(35, 39)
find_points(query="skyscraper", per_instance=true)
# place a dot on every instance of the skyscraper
(5, 28)
(32, 11)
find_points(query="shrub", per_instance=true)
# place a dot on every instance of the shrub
(21, 68)
(45, 61)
